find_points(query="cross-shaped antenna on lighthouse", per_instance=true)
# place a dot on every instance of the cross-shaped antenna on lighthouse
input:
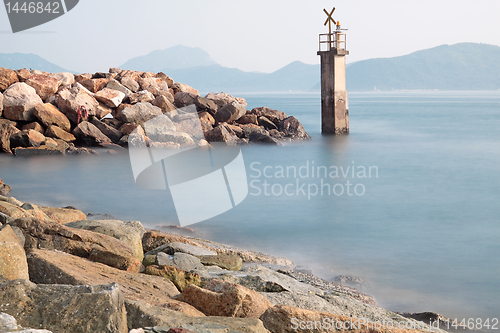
(329, 20)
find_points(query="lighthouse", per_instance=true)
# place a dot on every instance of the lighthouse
(334, 99)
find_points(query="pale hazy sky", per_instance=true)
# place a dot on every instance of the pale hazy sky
(257, 35)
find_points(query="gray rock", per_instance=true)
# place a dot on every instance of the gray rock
(163, 259)
(174, 247)
(186, 261)
(64, 308)
(258, 137)
(293, 129)
(19, 102)
(230, 112)
(9, 324)
(140, 113)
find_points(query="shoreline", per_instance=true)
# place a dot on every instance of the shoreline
(280, 283)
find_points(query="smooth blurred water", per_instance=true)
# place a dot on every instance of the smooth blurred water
(424, 235)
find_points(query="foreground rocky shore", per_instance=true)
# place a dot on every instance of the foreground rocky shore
(61, 271)
(45, 113)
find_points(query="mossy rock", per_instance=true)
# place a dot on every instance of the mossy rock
(181, 279)
(226, 261)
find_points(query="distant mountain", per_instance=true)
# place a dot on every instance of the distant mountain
(23, 60)
(173, 58)
(464, 66)
(296, 76)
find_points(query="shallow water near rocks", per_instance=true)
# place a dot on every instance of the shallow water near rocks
(422, 229)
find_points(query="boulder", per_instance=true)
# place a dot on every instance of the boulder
(165, 78)
(7, 78)
(94, 85)
(248, 119)
(27, 138)
(164, 104)
(44, 85)
(219, 298)
(6, 131)
(259, 137)
(9, 324)
(58, 133)
(129, 83)
(143, 96)
(153, 239)
(293, 129)
(53, 267)
(115, 70)
(142, 314)
(66, 78)
(222, 99)
(64, 215)
(19, 102)
(184, 88)
(230, 262)
(206, 120)
(82, 77)
(33, 126)
(102, 111)
(1, 104)
(128, 128)
(70, 100)
(48, 115)
(266, 123)
(205, 104)
(112, 133)
(33, 210)
(89, 134)
(180, 278)
(4, 188)
(156, 86)
(173, 247)
(221, 133)
(83, 243)
(43, 150)
(13, 264)
(110, 97)
(129, 232)
(23, 74)
(230, 112)
(273, 115)
(182, 99)
(140, 113)
(116, 85)
(76, 309)
(180, 260)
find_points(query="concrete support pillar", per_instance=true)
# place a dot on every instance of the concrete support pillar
(334, 99)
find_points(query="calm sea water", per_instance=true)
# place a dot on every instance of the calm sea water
(422, 229)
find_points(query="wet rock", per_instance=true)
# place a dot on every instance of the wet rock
(259, 137)
(48, 115)
(112, 133)
(6, 131)
(220, 298)
(129, 232)
(86, 244)
(273, 115)
(53, 267)
(89, 134)
(226, 261)
(19, 102)
(59, 308)
(58, 133)
(64, 215)
(110, 97)
(13, 264)
(293, 129)
(33, 126)
(140, 113)
(179, 277)
(4, 188)
(221, 133)
(70, 100)
(44, 85)
(7, 78)
(26, 138)
(94, 85)
(230, 112)
(142, 96)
